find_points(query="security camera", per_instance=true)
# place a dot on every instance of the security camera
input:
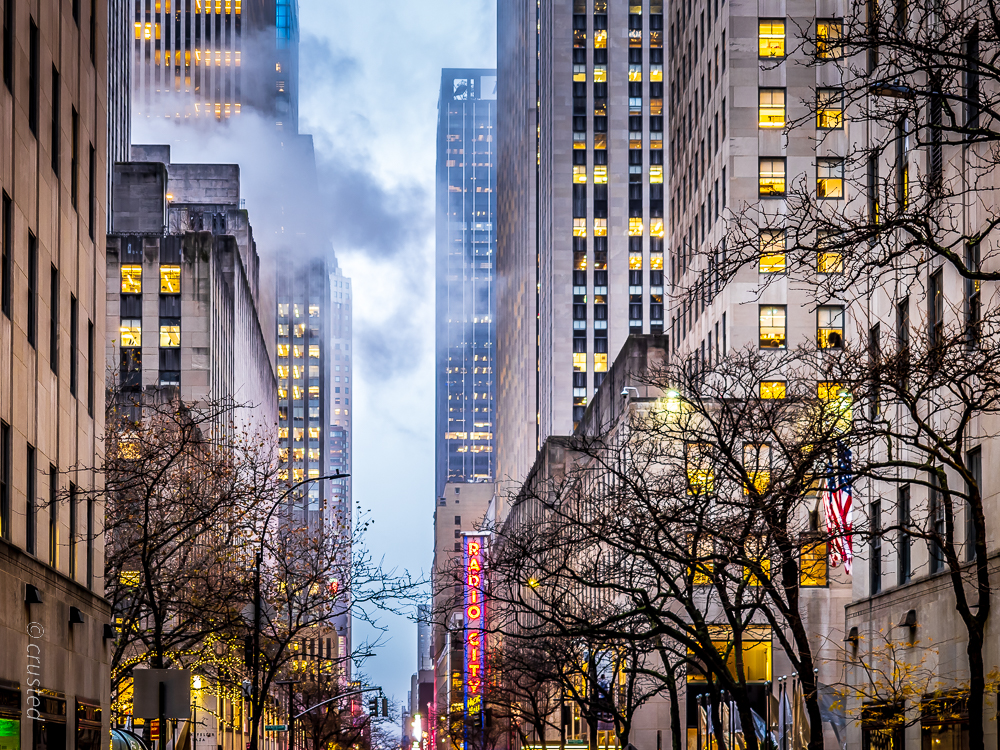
(628, 388)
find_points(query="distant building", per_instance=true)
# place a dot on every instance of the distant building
(466, 295)
(183, 295)
(209, 59)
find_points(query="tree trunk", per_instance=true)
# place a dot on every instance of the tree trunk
(977, 690)
(676, 738)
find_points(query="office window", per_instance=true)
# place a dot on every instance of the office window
(974, 464)
(131, 332)
(33, 77)
(829, 109)
(8, 45)
(904, 570)
(5, 481)
(772, 389)
(828, 36)
(73, 530)
(813, 564)
(875, 564)
(973, 296)
(772, 326)
(54, 320)
(90, 367)
(6, 240)
(170, 279)
(829, 178)
(771, 108)
(31, 324)
(170, 332)
(772, 251)
(53, 516)
(830, 326)
(74, 160)
(91, 531)
(771, 37)
(74, 342)
(757, 466)
(580, 174)
(56, 129)
(903, 134)
(935, 309)
(31, 515)
(92, 188)
(828, 260)
(936, 517)
(771, 174)
(131, 279)
(701, 477)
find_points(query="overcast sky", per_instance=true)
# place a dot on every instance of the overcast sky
(368, 93)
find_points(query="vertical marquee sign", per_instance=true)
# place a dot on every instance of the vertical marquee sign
(475, 631)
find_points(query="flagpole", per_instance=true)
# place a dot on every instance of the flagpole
(767, 715)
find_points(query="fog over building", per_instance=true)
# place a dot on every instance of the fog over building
(211, 59)
(187, 317)
(465, 290)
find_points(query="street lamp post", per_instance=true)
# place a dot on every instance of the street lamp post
(255, 687)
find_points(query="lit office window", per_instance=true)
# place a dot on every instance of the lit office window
(829, 109)
(772, 178)
(579, 174)
(131, 279)
(828, 36)
(170, 334)
(772, 327)
(830, 178)
(170, 279)
(830, 326)
(635, 227)
(771, 108)
(131, 332)
(771, 38)
(772, 251)
(828, 260)
(772, 389)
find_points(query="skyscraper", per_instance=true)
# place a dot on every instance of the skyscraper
(583, 81)
(53, 203)
(208, 59)
(466, 295)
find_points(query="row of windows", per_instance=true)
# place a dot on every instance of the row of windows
(130, 332)
(773, 256)
(298, 311)
(771, 38)
(298, 351)
(170, 279)
(829, 108)
(772, 179)
(773, 333)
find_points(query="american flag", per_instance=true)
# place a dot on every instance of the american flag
(837, 499)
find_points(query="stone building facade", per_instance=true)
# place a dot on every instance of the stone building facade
(55, 129)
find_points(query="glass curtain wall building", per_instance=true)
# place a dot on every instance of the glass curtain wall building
(466, 249)
(211, 58)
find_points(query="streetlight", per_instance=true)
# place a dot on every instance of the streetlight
(256, 591)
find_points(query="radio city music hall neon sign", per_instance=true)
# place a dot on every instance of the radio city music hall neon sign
(475, 624)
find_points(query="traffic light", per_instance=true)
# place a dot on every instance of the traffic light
(385, 707)
(373, 707)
